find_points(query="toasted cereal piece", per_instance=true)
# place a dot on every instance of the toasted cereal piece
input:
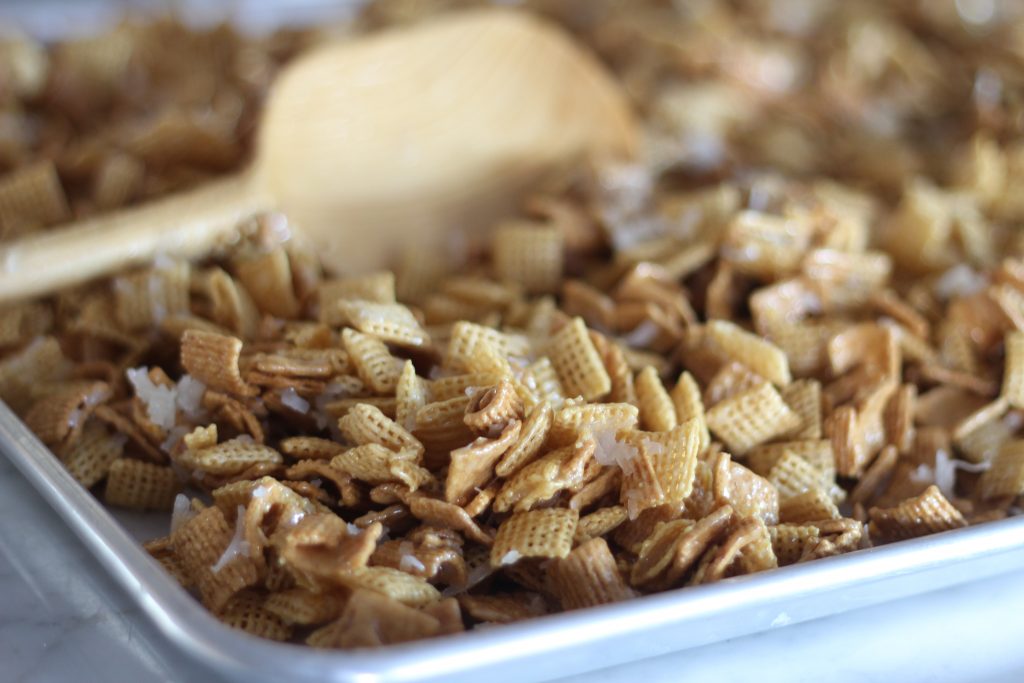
(141, 485)
(247, 611)
(875, 475)
(656, 552)
(118, 180)
(600, 522)
(491, 409)
(578, 363)
(502, 608)
(529, 255)
(310, 448)
(391, 323)
(792, 475)
(449, 613)
(869, 345)
(898, 418)
(213, 360)
(88, 460)
(536, 483)
(231, 305)
(42, 361)
(448, 516)
(570, 420)
(694, 541)
(339, 408)
(751, 418)
(440, 425)
(747, 493)
(758, 555)
(393, 583)
(657, 412)
(673, 457)
(267, 276)
(1006, 475)
(466, 336)
(541, 379)
(377, 287)
(532, 436)
(370, 619)
(758, 354)
(30, 198)
(349, 494)
(304, 607)
(1013, 374)
(818, 452)
(731, 380)
(804, 398)
(366, 424)
(594, 306)
(214, 563)
(229, 457)
(472, 466)
(925, 514)
(376, 464)
(481, 502)
(319, 547)
(632, 533)
(545, 533)
(686, 399)
(374, 364)
(588, 576)
(748, 544)
(791, 542)
(606, 483)
(810, 506)
(763, 245)
(59, 418)
(411, 393)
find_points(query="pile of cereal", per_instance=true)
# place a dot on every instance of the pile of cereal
(793, 330)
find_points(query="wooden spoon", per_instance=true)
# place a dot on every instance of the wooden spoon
(381, 142)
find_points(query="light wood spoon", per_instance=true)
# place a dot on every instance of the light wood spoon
(369, 145)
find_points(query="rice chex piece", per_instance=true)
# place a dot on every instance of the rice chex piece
(367, 424)
(1013, 374)
(578, 363)
(391, 323)
(545, 533)
(374, 364)
(921, 515)
(529, 255)
(370, 619)
(1005, 477)
(212, 359)
(141, 485)
(201, 544)
(657, 412)
(588, 576)
(247, 611)
(758, 354)
(751, 418)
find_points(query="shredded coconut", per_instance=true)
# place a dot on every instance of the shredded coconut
(960, 280)
(190, 396)
(291, 399)
(182, 512)
(160, 400)
(174, 436)
(643, 334)
(409, 560)
(238, 547)
(475, 576)
(353, 529)
(511, 557)
(610, 451)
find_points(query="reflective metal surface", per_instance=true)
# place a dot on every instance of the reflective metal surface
(542, 649)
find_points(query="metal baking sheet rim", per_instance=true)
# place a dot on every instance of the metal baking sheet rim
(541, 649)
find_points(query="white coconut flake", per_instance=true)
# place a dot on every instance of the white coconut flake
(475, 576)
(960, 280)
(610, 451)
(411, 563)
(160, 401)
(643, 334)
(190, 396)
(238, 547)
(511, 557)
(291, 399)
(174, 436)
(654, 447)
(353, 529)
(182, 512)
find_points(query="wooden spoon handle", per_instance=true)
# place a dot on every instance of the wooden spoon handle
(186, 225)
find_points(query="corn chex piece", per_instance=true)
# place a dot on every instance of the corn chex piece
(731, 380)
(532, 436)
(213, 360)
(31, 198)
(657, 412)
(267, 276)
(411, 393)
(367, 424)
(747, 493)
(377, 287)
(791, 542)
(874, 476)
(673, 458)
(144, 299)
(804, 397)
(59, 417)
(600, 522)
(376, 464)
(925, 514)
(304, 607)
(606, 483)
(538, 482)
(529, 255)
(792, 475)
(588, 576)
(374, 364)
(472, 466)
(229, 457)
(689, 405)
(502, 608)
(1013, 374)
(467, 336)
(310, 448)
(391, 323)
(756, 353)
(1005, 477)
(490, 409)
(141, 485)
(205, 547)
(579, 365)
(247, 611)
(751, 418)
(88, 460)
(440, 425)
(570, 420)
(810, 506)
(545, 533)
(393, 583)
(370, 619)
(446, 515)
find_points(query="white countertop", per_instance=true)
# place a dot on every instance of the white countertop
(62, 619)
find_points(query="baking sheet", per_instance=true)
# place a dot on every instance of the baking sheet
(542, 649)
